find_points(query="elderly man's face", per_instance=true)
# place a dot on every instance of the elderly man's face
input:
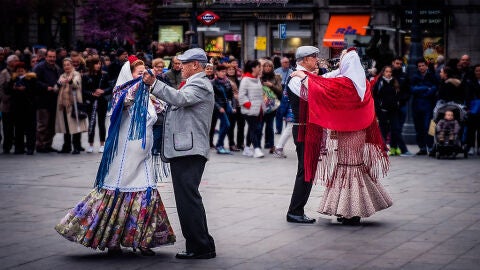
(310, 62)
(177, 65)
(464, 61)
(189, 68)
(285, 63)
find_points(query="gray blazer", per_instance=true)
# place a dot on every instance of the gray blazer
(188, 116)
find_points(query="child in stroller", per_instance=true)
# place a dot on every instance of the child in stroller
(449, 118)
(447, 127)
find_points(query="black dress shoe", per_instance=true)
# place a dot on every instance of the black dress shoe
(146, 251)
(300, 219)
(422, 152)
(64, 151)
(192, 255)
(114, 251)
(75, 152)
(50, 149)
(353, 221)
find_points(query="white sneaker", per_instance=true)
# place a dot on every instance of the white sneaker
(101, 149)
(279, 153)
(258, 153)
(247, 151)
(90, 149)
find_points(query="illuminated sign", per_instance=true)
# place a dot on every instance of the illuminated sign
(170, 33)
(208, 18)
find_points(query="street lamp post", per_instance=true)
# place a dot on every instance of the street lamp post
(193, 21)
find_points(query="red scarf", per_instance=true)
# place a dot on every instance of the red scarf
(248, 75)
(333, 103)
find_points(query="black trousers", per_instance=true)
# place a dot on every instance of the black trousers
(301, 189)
(102, 106)
(8, 131)
(186, 177)
(69, 139)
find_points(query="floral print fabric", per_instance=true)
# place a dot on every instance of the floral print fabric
(103, 221)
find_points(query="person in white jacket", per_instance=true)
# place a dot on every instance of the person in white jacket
(250, 96)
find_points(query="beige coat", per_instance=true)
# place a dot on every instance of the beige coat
(73, 125)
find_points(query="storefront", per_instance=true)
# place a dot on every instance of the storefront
(431, 19)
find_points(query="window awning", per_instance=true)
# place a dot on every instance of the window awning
(340, 25)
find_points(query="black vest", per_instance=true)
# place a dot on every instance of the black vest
(294, 102)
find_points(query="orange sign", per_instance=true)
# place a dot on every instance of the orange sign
(341, 25)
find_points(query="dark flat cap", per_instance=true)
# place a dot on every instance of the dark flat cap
(195, 54)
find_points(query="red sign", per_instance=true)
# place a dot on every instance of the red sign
(208, 18)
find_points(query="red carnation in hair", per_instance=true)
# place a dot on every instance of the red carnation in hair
(132, 58)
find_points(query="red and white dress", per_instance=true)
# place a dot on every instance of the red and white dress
(351, 159)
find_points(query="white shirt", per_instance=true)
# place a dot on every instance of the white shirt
(295, 83)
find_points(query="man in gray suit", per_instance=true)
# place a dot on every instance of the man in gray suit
(186, 146)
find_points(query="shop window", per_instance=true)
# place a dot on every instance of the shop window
(214, 46)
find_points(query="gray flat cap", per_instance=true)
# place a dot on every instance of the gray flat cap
(195, 54)
(303, 51)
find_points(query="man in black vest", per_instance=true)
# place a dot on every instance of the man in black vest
(307, 60)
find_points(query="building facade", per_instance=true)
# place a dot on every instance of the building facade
(249, 29)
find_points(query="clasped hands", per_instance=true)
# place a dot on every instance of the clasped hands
(148, 77)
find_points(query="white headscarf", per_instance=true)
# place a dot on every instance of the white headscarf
(351, 67)
(125, 74)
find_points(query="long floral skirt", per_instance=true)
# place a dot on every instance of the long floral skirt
(132, 222)
(353, 190)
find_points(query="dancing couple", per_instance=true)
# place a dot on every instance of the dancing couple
(125, 208)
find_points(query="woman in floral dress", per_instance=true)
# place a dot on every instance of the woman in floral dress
(125, 208)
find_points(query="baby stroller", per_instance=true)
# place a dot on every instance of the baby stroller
(449, 149)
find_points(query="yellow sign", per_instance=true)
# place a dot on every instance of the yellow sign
(261, 43)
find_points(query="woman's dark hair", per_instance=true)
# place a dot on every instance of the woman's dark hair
(249, 65)
(449, 72)
(91, 64)
(384, 68)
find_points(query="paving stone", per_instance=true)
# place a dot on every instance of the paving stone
(433, 223)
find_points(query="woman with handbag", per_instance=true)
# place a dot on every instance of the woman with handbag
(96, 87)
(71, 116)
(272, 87)
(250, 96)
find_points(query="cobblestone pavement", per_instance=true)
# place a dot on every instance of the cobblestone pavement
(433, 224)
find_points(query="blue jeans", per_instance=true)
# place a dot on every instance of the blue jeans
(421, 119)
(279, 121)
(224, 125)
